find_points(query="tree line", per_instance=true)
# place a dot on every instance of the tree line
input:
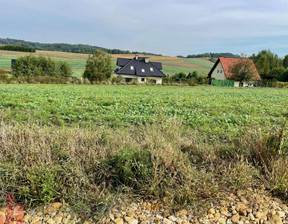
(74, 48)
(270, 66)
(211, 55)
(17, 47)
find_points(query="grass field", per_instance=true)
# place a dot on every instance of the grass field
(210, 110)
(171, 65)
(90, 144)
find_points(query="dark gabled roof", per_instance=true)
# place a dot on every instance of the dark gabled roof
(157, 65)
(141, 68)
(122, 61)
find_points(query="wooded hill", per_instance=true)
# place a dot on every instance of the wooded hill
(74, 48)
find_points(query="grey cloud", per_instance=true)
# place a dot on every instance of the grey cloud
(163, 26)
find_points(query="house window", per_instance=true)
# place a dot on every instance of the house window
(217, 71)
(151, 69)
(143, 70)
(220, 71)
(142, 79)
(154, 81)
(132, 67)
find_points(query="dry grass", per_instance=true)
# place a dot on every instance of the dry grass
(89, 168)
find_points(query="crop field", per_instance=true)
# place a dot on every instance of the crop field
(210, 110)
(92, 144)
(171, 65)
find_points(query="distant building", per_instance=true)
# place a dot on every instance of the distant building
(222, 71)
(13, 61)
(139, 69)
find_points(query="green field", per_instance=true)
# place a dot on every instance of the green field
(90, 145)
(78, 62)
(213, 111)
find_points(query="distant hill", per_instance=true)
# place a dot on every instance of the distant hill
(213, 55)
(74, 48)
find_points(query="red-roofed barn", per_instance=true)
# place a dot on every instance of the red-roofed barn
(222, 70)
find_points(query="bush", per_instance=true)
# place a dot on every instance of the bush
(40, 66)
(202, 79)
(181, 76)
(98, 67)
(274, 84)
(192, 82)
(115, 79)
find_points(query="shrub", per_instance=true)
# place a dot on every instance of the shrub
(40, 66)
(98, 67)
(202, 79)
(115, 79)
(192, 82)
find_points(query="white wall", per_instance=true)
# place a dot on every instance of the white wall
(218, 73)
(139, 79)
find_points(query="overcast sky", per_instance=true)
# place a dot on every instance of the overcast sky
(168, 27)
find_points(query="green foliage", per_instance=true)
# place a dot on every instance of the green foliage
(193, 75)
(202, 79)
(115, 79)
(192, 82)
(285, 61)
(278, 73)
(285, 76)
(40, 66)
(242, 71)
(98, 67)
(41, 184)
(181, 76)
(265, 62)
(214, 55)
(132, 168)
(75, 48)
(17, 47)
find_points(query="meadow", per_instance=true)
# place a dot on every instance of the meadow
(171, 65)
(88, 144)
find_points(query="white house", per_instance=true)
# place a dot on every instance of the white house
(222, 70)
(139, 69)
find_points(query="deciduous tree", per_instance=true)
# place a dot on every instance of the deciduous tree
(242, 70)
(285, 61)
(265, 61)
(98, 67)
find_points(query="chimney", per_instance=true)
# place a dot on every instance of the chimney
(146, 60)
(136, 57)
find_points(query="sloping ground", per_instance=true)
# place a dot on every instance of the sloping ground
(171, 65)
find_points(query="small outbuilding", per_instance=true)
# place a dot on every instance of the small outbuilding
(221, 72)
(140, 70)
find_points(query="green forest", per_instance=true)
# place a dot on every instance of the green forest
(74, 48)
